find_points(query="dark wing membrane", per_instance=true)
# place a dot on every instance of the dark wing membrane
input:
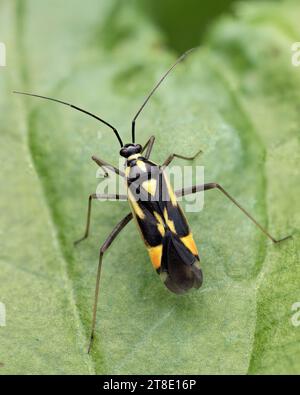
(180, 269)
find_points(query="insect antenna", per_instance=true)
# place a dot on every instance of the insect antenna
(154, 89)
(76, 108)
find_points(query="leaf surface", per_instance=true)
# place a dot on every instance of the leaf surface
(238, 106)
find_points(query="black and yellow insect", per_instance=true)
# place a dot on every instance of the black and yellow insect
(161, 222)
(159, 218)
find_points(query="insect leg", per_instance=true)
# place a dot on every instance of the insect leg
(149, 146)
(213, 185)
(172, 156)
(117, 229)
(96, 197)
(104, 165)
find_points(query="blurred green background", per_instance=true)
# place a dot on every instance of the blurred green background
(183, 23)
(237, 97)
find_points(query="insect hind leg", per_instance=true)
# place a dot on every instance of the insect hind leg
(214, 185)
(114, 233)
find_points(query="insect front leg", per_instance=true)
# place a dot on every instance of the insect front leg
(214, 185)
(92, 197)
(104, 165)
(172, 156)
(149, 146)
(117, 229)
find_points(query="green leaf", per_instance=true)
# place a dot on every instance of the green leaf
(267, 86)
(43, 332)
(228, 98)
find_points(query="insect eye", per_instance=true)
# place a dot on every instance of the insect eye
(138, 148)
(124, 152)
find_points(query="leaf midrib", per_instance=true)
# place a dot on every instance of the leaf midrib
(20, 8)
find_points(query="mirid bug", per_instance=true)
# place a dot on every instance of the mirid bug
(153, 203)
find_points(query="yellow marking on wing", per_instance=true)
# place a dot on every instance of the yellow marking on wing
(169, 222)
(188, 241)
(150, 186)
(155, 255)
(170, 191)
(160, 225)
(136, 208)
(127, 171)
(141, 165)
